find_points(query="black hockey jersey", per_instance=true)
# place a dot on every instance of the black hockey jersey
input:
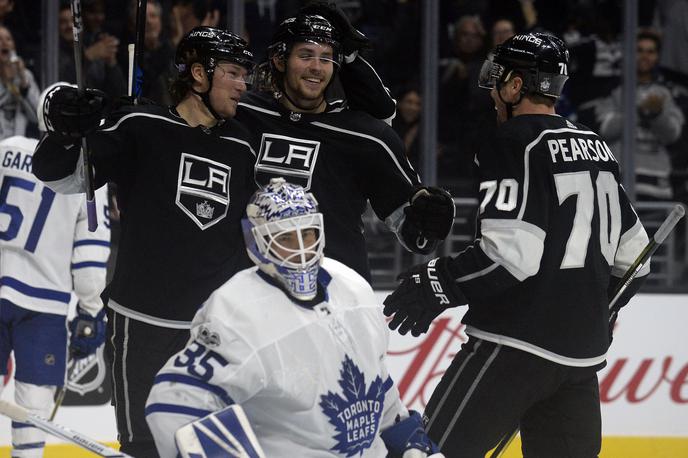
(554, 225)
(182, 192)
(344, 157)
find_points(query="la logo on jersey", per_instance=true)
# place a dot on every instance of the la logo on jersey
(203, 189)
(288, 157)
(356, 415)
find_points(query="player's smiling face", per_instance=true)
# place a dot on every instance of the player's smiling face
(309, 69)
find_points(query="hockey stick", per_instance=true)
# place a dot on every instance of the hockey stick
(662, 233)
(136, 72)
(20, 414)
(77, 29)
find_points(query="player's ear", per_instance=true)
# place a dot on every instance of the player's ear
(198, 74)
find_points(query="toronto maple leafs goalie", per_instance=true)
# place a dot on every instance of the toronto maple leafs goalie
(298, 342)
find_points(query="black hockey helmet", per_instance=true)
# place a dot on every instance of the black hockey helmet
(305, 28)
(207, 46)
(539, 58)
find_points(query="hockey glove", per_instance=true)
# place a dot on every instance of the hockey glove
(425, 291)
(407, 438)
(69, 115)
(352, 40)
(431, 212)
(87, 332)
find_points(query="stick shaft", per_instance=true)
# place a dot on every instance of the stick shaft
(77, 29)
(657, 239)
(137, 73)
(18, 413)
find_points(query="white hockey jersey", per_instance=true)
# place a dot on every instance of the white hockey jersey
(312, 381)
(46, 250)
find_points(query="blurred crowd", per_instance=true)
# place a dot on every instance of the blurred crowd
(469, 29)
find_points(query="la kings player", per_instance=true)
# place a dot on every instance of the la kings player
(345, 157)
(184, 176)
(556, 232)
(303, 354)
(47, 256)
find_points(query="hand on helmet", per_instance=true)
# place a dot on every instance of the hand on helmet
(352, 40)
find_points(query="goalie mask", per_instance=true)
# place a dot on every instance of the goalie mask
(540, 59)
(284, 236)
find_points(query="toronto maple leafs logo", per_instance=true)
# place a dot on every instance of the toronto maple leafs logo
(356, 416)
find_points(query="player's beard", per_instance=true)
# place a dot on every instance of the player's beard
(301, 92)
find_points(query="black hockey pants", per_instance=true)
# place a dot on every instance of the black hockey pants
(136, 351)
(489, 390)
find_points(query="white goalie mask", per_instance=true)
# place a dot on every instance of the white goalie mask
(284, 236)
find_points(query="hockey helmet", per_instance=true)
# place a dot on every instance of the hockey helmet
(283, 210)
(539, 58)
(208, 45)
(305, 28)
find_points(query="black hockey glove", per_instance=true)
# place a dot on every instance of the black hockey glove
(87, 332)
(69, 115)
(425, 291)
(352, 39)
(430, 213)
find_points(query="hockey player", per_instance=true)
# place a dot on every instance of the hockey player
(556, 233)
(184, 175)
(46, 254)
(345, 157)
(303, 355)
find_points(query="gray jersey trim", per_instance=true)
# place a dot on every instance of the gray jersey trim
(534, 349)
(138, 316)
(369, 137)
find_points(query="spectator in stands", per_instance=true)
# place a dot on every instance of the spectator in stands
(18, 89)
(158, 53)
(672, 16)
(100, 57)
(407, 121)
(595, 63)
(465, 111)
(187, 14)
(660, 122)
(502, 30)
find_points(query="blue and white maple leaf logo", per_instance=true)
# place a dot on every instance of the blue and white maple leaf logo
(356, 416)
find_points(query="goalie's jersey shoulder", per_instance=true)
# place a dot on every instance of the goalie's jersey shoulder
(269, 310)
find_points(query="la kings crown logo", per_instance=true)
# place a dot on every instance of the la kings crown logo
(288, 157)
(203, 189)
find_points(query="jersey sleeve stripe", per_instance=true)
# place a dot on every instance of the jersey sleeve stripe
(246, 144)
(41, 293)
(369, 137)
(83, 265)
(477, 274)
(104, 243)
(174, 408)
(516, 245)
(143, 115)
(192, 381)
(631, 243)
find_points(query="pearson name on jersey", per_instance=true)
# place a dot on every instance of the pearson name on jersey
(554, 225)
